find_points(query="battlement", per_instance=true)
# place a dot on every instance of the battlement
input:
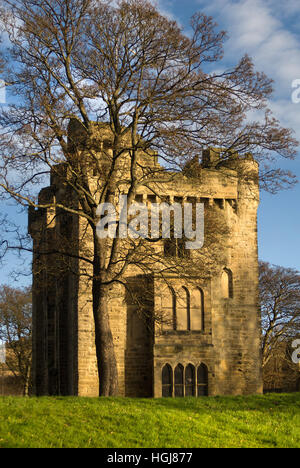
(216, 157)
(101, 141)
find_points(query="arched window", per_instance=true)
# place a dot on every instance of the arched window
(202, 309)
(190, 380)
(167, 381)
(227, 284)
(169, 309)
(178, 375)
(197, 310)
(183, 310)
(202, 380)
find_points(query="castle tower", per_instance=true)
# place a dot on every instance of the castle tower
(210, 345)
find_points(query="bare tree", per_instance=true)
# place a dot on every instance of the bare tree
(125, 64)
(280, 373)
(280, 307)
(16, 331)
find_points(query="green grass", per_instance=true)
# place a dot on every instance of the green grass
(256, 421)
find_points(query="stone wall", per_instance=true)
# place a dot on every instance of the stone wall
(222, 331)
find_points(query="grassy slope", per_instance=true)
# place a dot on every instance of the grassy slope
(256, 421)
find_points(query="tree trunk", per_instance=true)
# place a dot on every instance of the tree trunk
(106, 359)
(26, 383)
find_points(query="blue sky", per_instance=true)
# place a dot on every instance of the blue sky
(268, 30)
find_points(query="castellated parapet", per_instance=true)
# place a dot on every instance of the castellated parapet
(210, 345)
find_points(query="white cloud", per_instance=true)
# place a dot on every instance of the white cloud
(165, 8)
(263, 29)
(255, 28)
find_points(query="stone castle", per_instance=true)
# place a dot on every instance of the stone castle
(211, 343)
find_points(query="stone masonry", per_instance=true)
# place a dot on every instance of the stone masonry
(210, 345)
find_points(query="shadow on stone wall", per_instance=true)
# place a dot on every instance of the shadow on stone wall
(139, 337)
